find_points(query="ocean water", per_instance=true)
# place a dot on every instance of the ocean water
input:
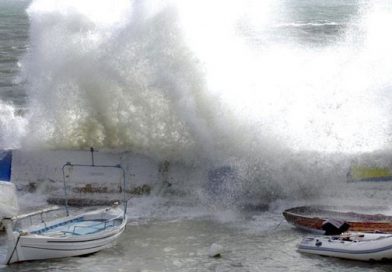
(14, 37)
(282, 96)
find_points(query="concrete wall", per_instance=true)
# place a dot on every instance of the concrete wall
(38, 170)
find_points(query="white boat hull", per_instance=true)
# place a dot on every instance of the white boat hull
(33, 246)
(363, 247)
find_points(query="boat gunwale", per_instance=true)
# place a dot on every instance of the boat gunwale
(43, 232)
(85, 238)
(376, 218)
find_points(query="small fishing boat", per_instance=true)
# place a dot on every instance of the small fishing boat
(69, 236)
(354, 246)
(66, 236)
(330, 221)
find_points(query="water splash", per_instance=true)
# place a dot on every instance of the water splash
(12, 126)
(306, 95)
(154, 76)
(249, 84)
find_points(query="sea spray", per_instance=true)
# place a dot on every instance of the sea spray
(307, 95)
(239, 88)
(8, 204)
(12, 126)
(135, 86)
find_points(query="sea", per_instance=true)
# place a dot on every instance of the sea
(260, 105)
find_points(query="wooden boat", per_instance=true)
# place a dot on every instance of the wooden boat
(354, 246)
(319, 219)
(66, 236)
(82, 234)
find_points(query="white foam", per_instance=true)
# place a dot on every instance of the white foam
(209, 84)
(153, 77)
(12, 126)
(8, 200)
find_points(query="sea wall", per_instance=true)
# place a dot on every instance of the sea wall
(41, 171)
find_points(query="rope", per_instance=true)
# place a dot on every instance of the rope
(278, 225)
(13, 251)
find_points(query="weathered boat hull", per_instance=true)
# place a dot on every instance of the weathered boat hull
(311, 219)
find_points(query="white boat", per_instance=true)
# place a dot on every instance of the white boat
(354, 246)
(67, 236)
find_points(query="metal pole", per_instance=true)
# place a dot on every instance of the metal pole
(65, 189)
(124, 192)
(92, 156)
(125, 201)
